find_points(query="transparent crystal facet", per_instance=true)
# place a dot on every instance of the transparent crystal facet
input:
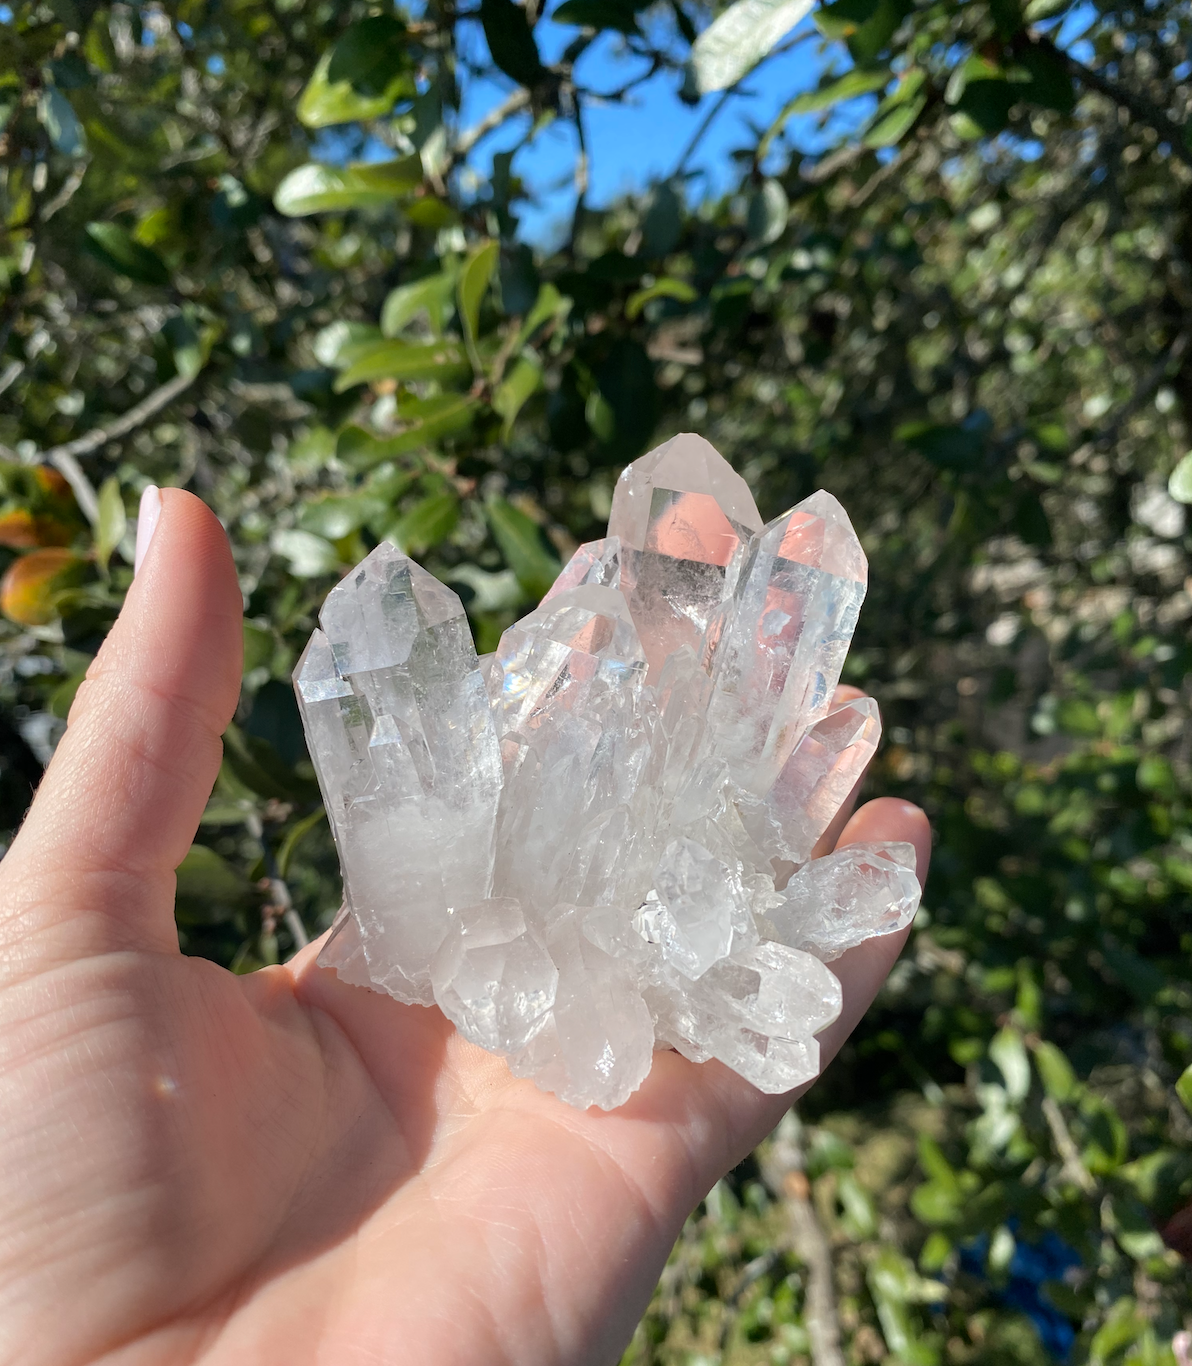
(576, 847)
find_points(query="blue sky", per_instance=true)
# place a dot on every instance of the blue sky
(635, 143)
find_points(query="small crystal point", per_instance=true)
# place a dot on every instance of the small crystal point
(784, 643)
(815, 781)
(684, 519)
(835, 903)
(595, 562)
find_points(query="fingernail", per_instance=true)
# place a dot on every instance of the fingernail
(147, 515)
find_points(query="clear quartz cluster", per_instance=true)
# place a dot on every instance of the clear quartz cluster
(596, 841)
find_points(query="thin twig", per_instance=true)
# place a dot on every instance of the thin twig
(501, 113)
(697, 137)
(1073, 1168)
(66, 191)
(783, 1173)
(121, 426)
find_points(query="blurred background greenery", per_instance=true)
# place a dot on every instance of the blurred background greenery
(352, 272)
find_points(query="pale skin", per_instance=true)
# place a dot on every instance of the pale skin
(199, 1167)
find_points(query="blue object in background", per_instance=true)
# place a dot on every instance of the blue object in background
(1031, 1265)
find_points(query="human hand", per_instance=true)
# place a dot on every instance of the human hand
(196, 1166)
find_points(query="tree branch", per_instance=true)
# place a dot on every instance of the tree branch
(121, 426)
(1136, 105)
(1073, 1168)
(784, 1174)
(501, 113)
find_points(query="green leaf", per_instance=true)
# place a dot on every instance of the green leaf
(310, 556)
(1180, 483)
(369, 54)
(515, 389)
(428, 522)
(208, 886)
(442, 360)
(619, 15)
(511, 41)
(897, 113)
(294, 837)
(334, 516)
(256, 765)
(324, 104)
(1009, 1053)
(988, 103)
(736, 40)
(117, 249)
(474, 280)
(315, 188)
(1183, 1089)
(666, 288)
(339, 343)
(769, 208)
(431, 295)
(1055, 1071)
(430, 420)
(430, 213)
(523, 546)
(548, 305)
(847, 87)
(865, 25)
(61, 123)
(113, 520)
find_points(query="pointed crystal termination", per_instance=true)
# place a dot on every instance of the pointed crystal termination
(815, 781)
(578, 643)
(395, 712)
(835, 903)
(758, 1012)
(597, 563)
(784, 643)
(684, 519)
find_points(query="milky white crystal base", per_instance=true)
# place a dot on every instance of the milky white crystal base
(579, 847)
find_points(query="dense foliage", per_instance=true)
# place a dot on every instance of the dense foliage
(245, 248)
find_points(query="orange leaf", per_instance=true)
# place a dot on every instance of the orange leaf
(21, 530)
(29, 590)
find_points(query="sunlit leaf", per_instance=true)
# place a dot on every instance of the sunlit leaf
(113, 520)
(474, 280)
(428, 522)
(308, 555)
(444, 361)
(433, 295)
(317, 188)
(523, 545)
(1180, 483)
(736, 40)
(523, 380)
(325, 102)
(33, 584)
(666, 288)
(61, 123)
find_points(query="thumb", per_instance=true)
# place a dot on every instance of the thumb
(93, 866)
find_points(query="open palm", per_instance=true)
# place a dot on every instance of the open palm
(201, 1167)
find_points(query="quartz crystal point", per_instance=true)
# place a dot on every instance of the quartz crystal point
(578, 846)
(684, 520)
(781, 650)
(837, 902)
